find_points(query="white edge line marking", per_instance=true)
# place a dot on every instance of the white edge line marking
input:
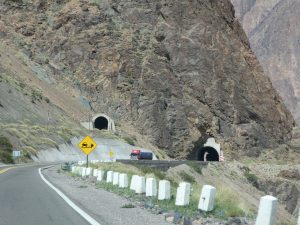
(87, 217)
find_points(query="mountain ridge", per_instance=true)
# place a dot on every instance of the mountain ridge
(273, 35)
(175, 72)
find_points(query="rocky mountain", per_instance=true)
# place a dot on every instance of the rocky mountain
(273, 30)
(174, 72)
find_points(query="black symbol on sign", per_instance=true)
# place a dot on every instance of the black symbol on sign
(85, 145)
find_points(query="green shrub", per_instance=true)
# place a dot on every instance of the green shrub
(47, 100)
(128, 206)
(227, 204)
(5, 150)
(126, 192)
(5, 145)
(129, 140)
(120, 167)
(186, 177)
(251, 178)
(6, 157)
(149, 170)
(36, 96)
(196, 166)
(96, 2)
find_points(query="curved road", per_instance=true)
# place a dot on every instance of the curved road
(26, 200)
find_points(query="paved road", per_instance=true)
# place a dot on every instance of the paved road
(26, 200)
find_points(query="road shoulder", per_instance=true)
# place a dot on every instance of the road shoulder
(102, 205)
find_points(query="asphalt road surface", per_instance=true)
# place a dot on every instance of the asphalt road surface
(26, 200)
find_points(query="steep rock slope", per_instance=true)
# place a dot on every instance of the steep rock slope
(273, 29)
(30, 115)
(176, 71)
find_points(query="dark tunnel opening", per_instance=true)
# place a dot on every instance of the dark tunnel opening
(208, 154)
(101, 123)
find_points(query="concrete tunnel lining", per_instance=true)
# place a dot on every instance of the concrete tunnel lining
(103, 122)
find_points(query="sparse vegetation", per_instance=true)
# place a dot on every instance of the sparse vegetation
(5, 150)
(115, 189)
(128, 206)
(118, 167)
(149, 170)
(36, 96)
(227, 204)
(47, 100)
(251, 178)
(42, 58)
(96, 2)
(50, 135)
(129, 140)
(195, 166)
(186, 177)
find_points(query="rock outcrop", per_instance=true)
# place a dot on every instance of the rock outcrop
(273, 30)
(177, 71)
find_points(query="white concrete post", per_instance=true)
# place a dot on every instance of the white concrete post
(133, 182)
(151, 187)
(123, 180)
(95, 172)
(267, 211)
(73, 169)
(207, 198)
(109, 176)
(78, 170)
(183, 194)
(100, 175)
(88, 171)
(140, 185)
(116, 178)
(164, 190)
(83, 172)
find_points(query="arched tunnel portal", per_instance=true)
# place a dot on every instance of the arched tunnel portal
(101, 123)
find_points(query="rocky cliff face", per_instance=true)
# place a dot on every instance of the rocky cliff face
(273, 29)
(177, 71)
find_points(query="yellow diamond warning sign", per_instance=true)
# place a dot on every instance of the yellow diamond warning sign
(111, 154)
(87, 145)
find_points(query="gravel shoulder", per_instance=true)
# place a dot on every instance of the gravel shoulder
(102, 205)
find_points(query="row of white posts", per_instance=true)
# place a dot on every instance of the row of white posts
(81, 163)
(139, 184)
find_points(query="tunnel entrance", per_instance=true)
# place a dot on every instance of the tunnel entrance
(101, 123)
(208, 154)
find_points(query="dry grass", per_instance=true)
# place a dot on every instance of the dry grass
(118, 167)
(228, 204)
(39, 136)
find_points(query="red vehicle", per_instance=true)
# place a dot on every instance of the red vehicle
(139, 155)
